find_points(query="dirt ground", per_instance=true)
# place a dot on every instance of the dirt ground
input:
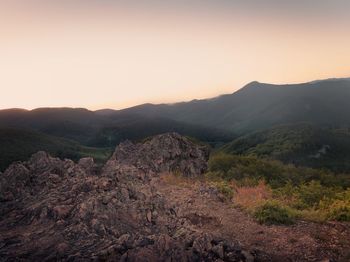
(303, 241)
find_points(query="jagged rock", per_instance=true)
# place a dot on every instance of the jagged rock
(52, 209)
(88, 164)
(164, 153)
(149, 216)
(219, 250)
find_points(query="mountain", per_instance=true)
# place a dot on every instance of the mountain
(71, 123)
(255, 106)
(219, 120)
(299, 144)
(259, 106)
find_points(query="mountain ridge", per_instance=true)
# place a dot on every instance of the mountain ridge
(254, 107)
(259, 105)
(107, 110)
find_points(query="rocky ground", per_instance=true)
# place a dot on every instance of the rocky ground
(52, 209)
(208, 212)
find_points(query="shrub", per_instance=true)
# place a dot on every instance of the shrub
(224, 188)
(248, 182)
(315, 215)
(222, 162)
(311, 194)
(214, 175)
(340, 211)
(273, 212)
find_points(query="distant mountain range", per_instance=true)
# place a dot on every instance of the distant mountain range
(255, 106)
(217, 121)
(98, 129)
(259, 106)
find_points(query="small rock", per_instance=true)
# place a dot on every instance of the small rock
(149, 216)
(218, 250)
(62, 211)
(248, 257)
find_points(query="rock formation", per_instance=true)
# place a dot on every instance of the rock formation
(52, 209)
(164, 153)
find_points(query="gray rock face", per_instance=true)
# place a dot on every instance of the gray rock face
(164, 153)
(52, 209)
(88, 164)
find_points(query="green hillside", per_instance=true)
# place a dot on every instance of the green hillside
(137, 128)
(101, 129)
(20, 144)
(300, 144)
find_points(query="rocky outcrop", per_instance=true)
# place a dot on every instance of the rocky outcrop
(52, 209)
(164, 153)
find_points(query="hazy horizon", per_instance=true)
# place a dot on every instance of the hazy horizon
(116, 54)
(175, 102)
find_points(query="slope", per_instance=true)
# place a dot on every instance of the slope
(299, 144)
(259, 105)
(19, 144)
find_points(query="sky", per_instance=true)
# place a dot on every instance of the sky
(115, 54)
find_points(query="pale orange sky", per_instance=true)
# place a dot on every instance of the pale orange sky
(115, 54)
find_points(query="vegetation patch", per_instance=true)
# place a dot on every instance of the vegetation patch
(340, 210)
(177, 179)
(250, 197)
(224, 188)
(274, 212)
(19, 145)
(275, 193)
(301, 144)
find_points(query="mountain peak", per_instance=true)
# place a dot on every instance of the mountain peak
(252, 84)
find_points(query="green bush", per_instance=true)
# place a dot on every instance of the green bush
(249, 182)
(273, 212)
(310, 195)
(222, 162)
(214, 176)
(224, 188)
(340, 211)
(275, 173)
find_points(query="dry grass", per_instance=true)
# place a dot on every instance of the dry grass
(250, 197)
(177, 180)
(245, 197)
